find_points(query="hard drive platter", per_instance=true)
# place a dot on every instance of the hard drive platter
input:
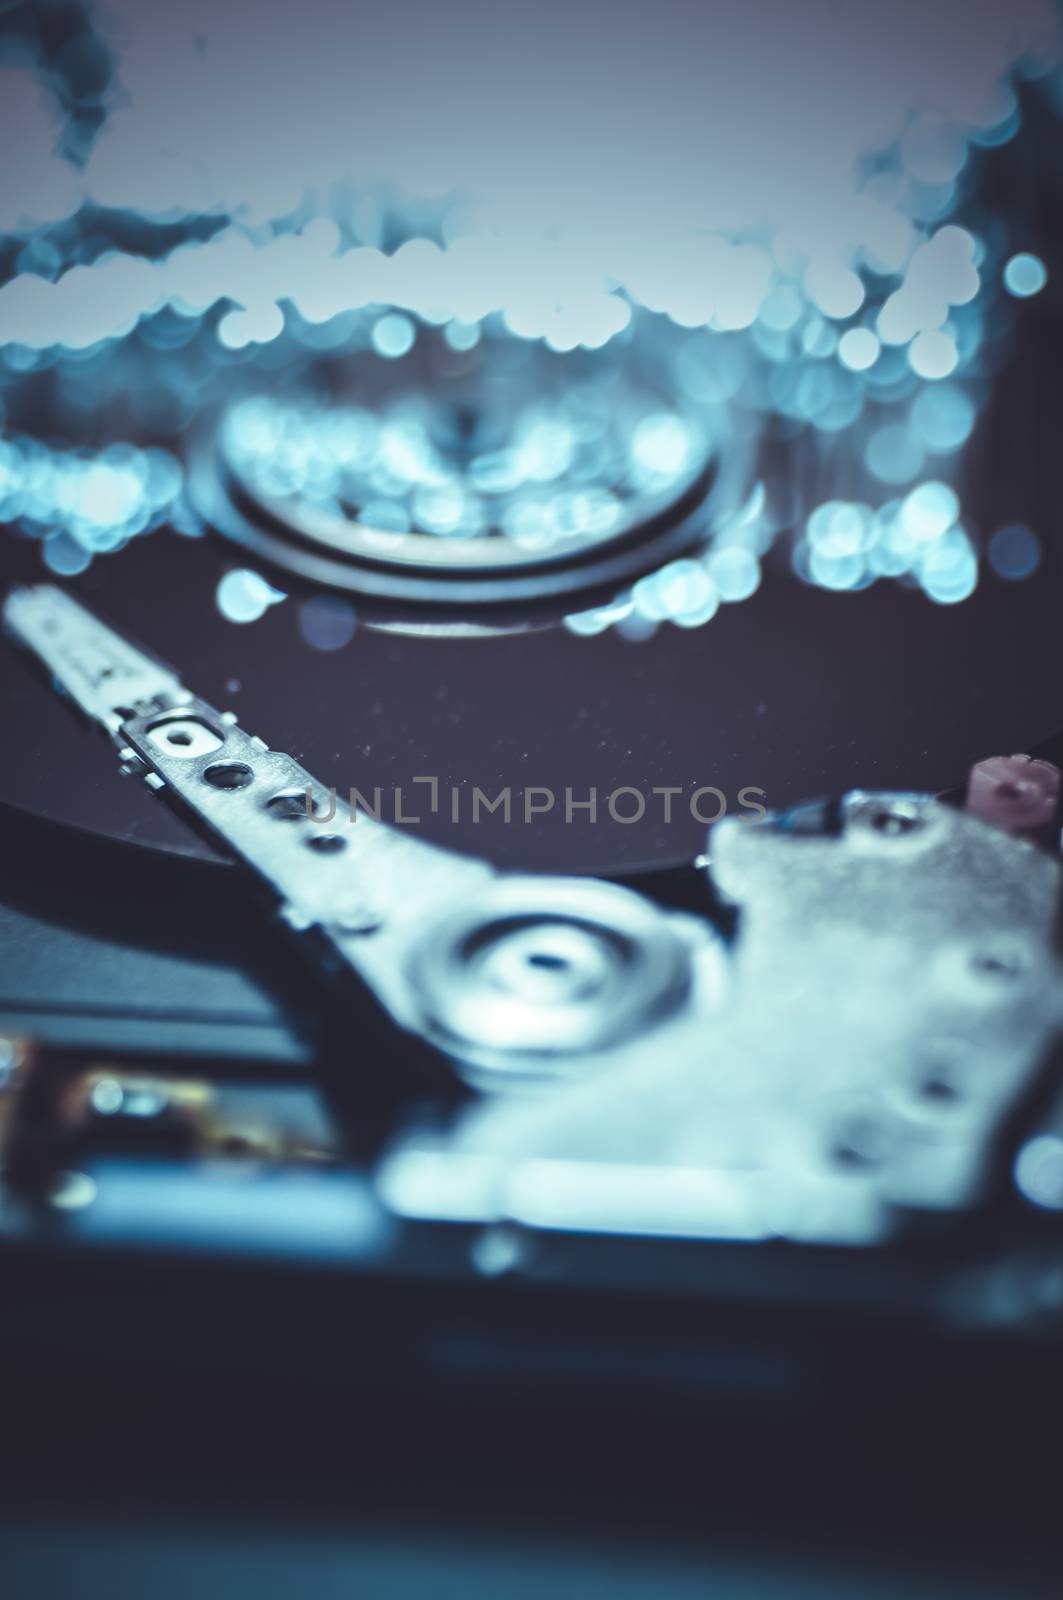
(698, 668)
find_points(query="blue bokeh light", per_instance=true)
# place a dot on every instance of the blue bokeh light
(1025, 275)
(393, 335)
(1014, 552)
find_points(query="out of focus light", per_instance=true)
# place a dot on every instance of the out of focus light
(326, 622)
(462, 335)
(661, 445)
(761, 261)
(894, 454)
(933, 354)
(259, 325)
(244, 596)
(848, 545)
(574, 465)
(858, 349)
(80, 505)
(1039, 1171)
(64, 555)
(948, 571)
(839, 528)
(930, 510)
(735, 572)
(1025, 275)
(1014, 552)
(837, 291)
(943, 417)
(393, 335)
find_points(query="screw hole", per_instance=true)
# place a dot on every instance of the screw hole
(893, 823)
(288, 806)
(941, 1090)
(546, 961)
(861, 1142)
(229, 775)
(997, 964)
(326, 844)
(846, 1155)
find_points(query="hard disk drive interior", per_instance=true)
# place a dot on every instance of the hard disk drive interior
(531, 736)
